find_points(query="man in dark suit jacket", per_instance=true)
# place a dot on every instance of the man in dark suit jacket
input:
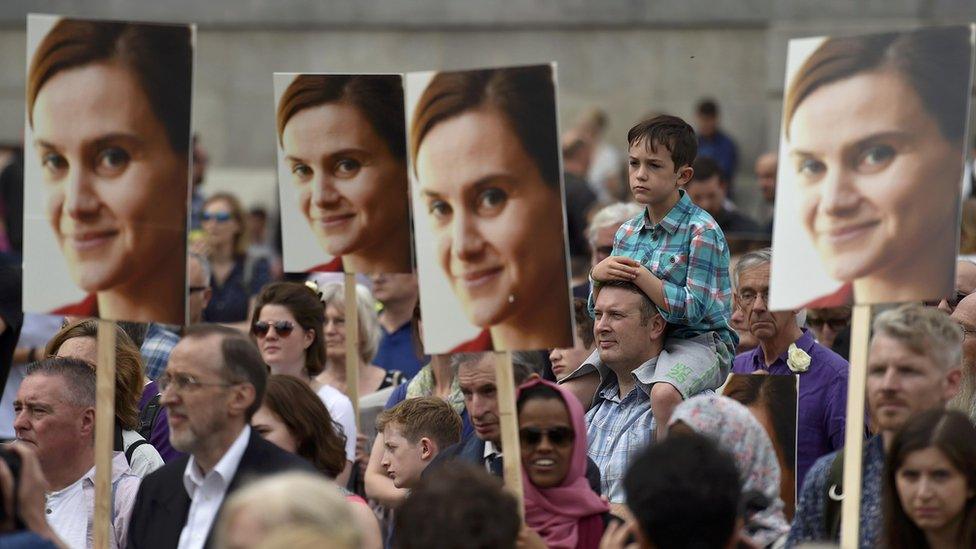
(213, 384)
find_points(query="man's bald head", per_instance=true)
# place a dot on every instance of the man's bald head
(965, 316)
(765, 168)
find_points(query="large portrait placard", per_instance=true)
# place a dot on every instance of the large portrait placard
(488, 209)
(107, 164)
(342, 173)
(871, 163)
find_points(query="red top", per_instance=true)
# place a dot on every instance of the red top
(843, 296)
(334, 266)
(87, 307)
(479, 344)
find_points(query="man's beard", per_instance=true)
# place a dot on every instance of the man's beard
(965, 399)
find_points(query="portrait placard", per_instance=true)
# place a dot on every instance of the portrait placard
(872, 151)
(107, 168)
(772, 399)
(342, 173)
(488, 209)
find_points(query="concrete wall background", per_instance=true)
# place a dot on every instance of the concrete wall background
(626, 56)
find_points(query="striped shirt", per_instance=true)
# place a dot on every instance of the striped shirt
(618, 429)
(687, 251)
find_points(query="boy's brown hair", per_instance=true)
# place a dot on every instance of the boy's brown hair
(423, 417)
(670, 131)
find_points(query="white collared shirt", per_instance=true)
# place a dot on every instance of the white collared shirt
(490, 451)
(70, 511)
(207, 492)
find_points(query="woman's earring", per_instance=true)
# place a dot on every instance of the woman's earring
(511, 298)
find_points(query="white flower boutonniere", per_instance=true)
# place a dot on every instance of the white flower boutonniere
(797, 359)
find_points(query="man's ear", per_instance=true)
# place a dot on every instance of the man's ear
(242, 396)
(428, 449)
(658, 326)
(953, 381)
(685, 173)
(531, 377)
(87, 418)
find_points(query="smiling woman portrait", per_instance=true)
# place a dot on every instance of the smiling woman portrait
(109, 111)
(343, 146)
(875, 127)
(486, 158)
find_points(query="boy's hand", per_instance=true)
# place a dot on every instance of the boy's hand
(616, 267)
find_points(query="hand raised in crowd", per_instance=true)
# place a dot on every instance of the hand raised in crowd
(617, 535)
(30, 498)
(616, 267)
(528, 539)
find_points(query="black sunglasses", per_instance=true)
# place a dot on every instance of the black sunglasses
(282, 327)
(836, 324)
(558, 436)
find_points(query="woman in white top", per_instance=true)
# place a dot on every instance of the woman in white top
(78, 340)
(287, 327)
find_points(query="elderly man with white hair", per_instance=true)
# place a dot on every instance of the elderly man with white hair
(786, 349)
(599, 234)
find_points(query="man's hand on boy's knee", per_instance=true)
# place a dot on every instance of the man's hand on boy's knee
(616, 267)
(664, 399)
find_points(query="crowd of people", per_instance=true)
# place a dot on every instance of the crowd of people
(238, 431)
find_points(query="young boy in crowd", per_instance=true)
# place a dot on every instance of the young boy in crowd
(675, 253)
(414, 432)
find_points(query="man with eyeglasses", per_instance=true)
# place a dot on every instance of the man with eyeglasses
(786, 349)
(213, 384)
(827, 322)
(599, 234)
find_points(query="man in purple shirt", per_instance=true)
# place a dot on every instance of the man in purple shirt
(822, 395)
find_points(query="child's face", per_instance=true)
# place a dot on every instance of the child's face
(404, 461)
(651, 173)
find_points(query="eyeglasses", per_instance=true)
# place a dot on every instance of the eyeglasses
(219, 217)
(952, 300)
(195, 289)
(748, 297)
(558, 436)
(835, 324)
(183, 382)
(282, 327)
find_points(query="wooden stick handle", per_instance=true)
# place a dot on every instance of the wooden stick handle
(352, 344)
(854, 433)
(508, 419)
(104, 432)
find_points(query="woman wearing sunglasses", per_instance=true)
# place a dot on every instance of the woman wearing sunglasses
(235, 275)
(561, 511)
(287, 327)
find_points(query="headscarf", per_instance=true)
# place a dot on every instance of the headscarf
(555, 513)
(738, 432)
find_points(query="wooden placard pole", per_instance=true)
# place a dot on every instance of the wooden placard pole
(104, 432)
(352, 343)
(508, 419)
(854, 434)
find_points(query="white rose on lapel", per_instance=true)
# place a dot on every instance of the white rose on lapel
(797, 359)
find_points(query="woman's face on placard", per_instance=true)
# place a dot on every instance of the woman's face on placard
(497, 223)
(351, 188)
(932, 491)
(116, 189)
(878, 180)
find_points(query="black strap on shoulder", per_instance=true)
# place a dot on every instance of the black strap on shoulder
(147, 417)
(132, 450)
(834, 496)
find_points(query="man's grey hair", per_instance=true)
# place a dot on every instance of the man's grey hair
(612, 214)
(757, 258)
(78, 376)
(748, 261)
(927, 331)
(524, 363)
(204, 266)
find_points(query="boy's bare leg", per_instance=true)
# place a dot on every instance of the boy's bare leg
(664, 399)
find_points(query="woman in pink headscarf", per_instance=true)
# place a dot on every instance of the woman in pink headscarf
(560, 507)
